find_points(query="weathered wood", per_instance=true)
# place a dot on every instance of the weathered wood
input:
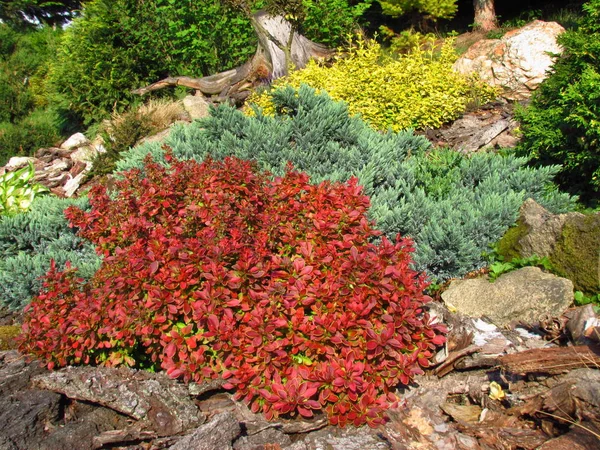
(121, 437)
(553, 360)
(448, 365)
(279, 48)
(164, 407)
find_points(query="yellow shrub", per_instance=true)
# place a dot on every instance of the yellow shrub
(417, 90)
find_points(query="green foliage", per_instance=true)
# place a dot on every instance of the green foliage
(407, 41)
(132, 128)
(120, 45)
(39, 129)
(581, 299)
(26, 121)
(123, 131)
(416, 90)
(30, 240)
(562, 124)
(17, 191)
(501, 267)
(432, 9)
(453, 206)
(331, 21)
(24, 57)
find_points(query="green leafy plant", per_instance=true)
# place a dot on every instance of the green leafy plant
(501, 267)
(453, 206)
(116, 46)
(416, 90)
(216, 269)
(581, 299)
(562, 123)
(17, 191)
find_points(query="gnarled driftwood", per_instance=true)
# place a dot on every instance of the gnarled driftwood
(279, 48)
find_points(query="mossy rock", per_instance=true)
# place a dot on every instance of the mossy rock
(8, 333)
(571, 242)
(577, 252)
(508, 247)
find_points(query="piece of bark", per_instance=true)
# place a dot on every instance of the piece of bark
(163, 405)
(577, 397)
(217, 434)
(551, 361)
(462, 413)
(506, 437)
(122, 437)
(583, 436)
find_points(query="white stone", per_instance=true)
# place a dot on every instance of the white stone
(518, 62)
(77, 140)
(18, 162)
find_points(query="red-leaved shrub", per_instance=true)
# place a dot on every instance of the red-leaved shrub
(214, 270)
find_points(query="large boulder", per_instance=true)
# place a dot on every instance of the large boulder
(525, 295)
(570, 241)
(518, 62)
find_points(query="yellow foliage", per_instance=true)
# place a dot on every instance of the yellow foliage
(417, 90)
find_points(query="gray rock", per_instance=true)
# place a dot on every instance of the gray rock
(526, 295)
(571, 242)
(196, 106)
(75, 141)
(489, 127)
(217, 434)
(518, 62)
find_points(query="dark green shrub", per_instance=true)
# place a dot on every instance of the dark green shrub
(453, 206)
(30, 240)
(26, 121)
(24, 59)
(562, 123)
(39, 129)
(331, 21)
(124, 44)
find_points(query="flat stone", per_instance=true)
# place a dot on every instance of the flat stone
(525, 295)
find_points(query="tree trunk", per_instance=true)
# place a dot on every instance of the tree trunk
(485, 15)
(279, 50)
